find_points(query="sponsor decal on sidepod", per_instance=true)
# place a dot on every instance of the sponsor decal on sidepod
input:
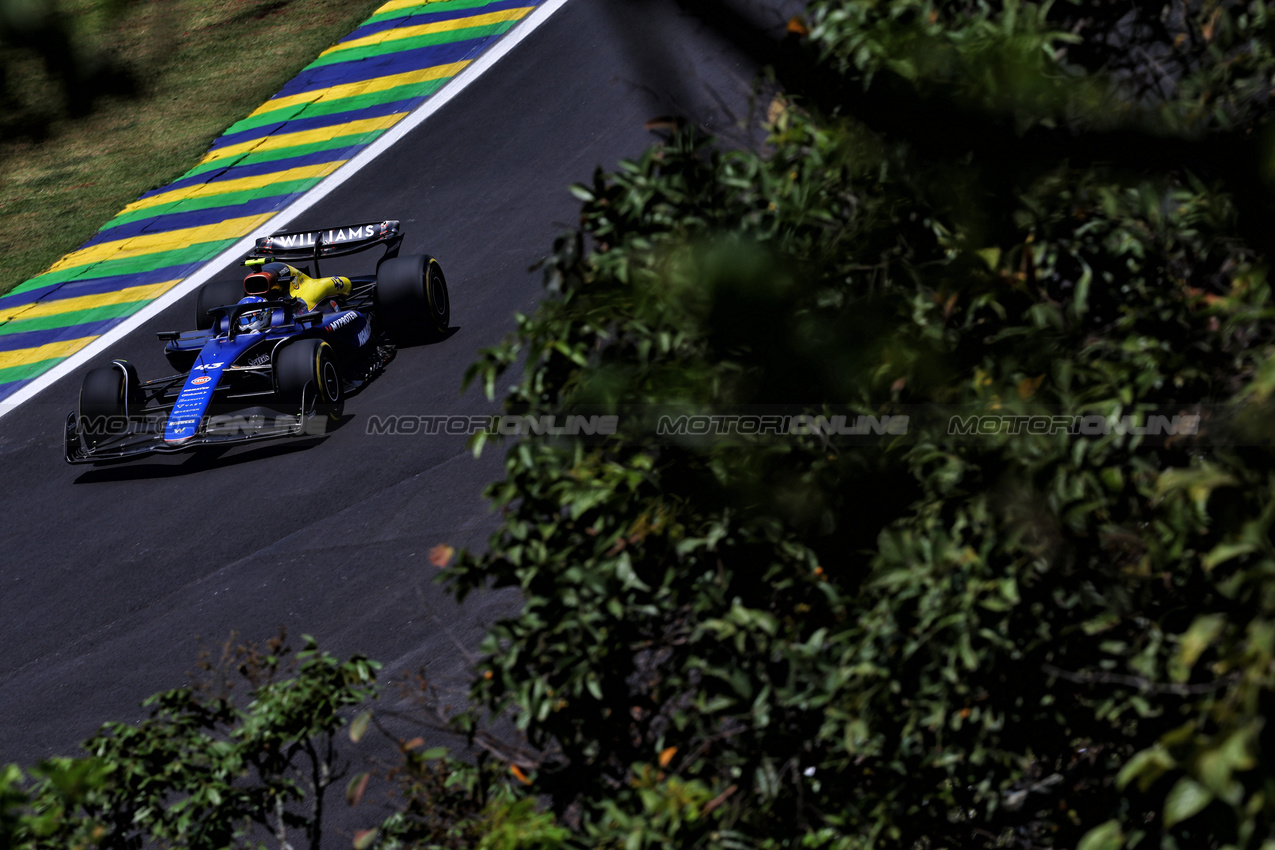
(341, 321)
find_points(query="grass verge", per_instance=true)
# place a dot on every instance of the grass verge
(199, 66)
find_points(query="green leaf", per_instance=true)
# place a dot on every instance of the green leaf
(358, 728)
(1199, 482)
(1203, 632)
(1216, 765)
(1105, 836)
(1224, 552)
(1146, 766)
(1185, 799)
(356, 787)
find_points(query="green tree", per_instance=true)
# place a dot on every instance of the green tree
(931, 640)
(202, 771)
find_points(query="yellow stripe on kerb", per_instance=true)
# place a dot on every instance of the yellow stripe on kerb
(150, 243)
(41, 309)
(424, 75)
(398, 5)
(222, 187)
(305, 137)
(53, 350)
(426, 29)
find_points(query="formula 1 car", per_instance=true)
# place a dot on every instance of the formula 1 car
(273, 356)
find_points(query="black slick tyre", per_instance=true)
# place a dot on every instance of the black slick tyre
(103, 404)
(215, 293)
(309, 363)
(412, 302)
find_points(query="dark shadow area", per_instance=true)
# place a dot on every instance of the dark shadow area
(893, 107)
(451, 331)
(341, 422)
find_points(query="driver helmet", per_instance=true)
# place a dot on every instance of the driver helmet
(255, 321)
(271, 280)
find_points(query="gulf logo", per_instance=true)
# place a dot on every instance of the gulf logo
(202, 379)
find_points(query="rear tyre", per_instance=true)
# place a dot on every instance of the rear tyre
(309, 362)
(215, 293)
(412, 302)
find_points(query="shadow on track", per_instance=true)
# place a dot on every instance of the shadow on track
(425, 343)
(199, 460)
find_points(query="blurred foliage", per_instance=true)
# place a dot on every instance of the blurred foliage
(202, 771)
(50, 69)
(938, 641)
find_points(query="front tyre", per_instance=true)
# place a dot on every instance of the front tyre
(106, 396)
(412, 302)
(309, 363)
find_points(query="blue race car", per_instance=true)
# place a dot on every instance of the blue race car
(273, 356)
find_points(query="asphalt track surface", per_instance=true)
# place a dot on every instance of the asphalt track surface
(110, 576)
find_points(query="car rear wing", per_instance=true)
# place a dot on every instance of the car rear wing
(331, 242)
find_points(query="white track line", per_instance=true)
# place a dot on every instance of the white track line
(99, 346)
